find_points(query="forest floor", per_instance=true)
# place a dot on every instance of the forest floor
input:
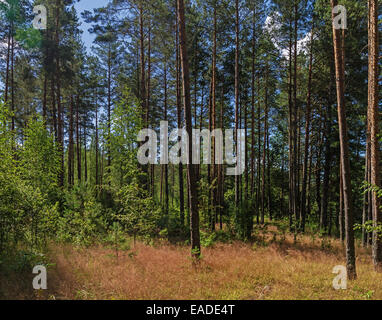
(281, 270)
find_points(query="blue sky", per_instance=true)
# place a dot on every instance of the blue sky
(88, 5)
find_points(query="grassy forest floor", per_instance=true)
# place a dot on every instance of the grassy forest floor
(270, 269)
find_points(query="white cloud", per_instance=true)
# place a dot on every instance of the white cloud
(273, 26)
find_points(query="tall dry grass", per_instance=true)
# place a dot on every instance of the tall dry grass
(268, 270)
(285, 270)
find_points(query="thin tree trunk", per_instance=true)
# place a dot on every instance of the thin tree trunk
(71, 146)
(58, 95)
(78, 140)
(179, 118)
(307, 136)
(96, 143)
(327, 169)
(191, 169)
(13, 81)
(165, 166)
(258, 152)
(44, 101)
(345, 162)
(54, 111)
(341, 214)
(6, 90)
(374, 127)
(85, 154)
(237, 85)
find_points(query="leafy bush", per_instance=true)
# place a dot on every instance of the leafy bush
(83, 218)
(137, 212)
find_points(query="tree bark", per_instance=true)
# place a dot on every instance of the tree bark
(345, 162)
(191, 169)
(374, 127)
(307, 136)
(179, 119)
(78, 140)
(71, 146)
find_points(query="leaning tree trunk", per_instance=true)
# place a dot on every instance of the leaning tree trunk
(191, 169)
(345, 162)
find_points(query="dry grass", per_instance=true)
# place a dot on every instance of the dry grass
(236, 271)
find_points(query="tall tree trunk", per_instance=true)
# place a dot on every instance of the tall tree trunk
(78, 140)
(85, 154)
(258, 152)
(165, 166)
(6, 89)
(214, 167)
(109, 109)
(44, 99)
(54, 111)
(191, 169)
(264, 150)
(148, 109)
(290, 134)
(13, 81)
(96, 143)
(143, 62)
(307, 136)
(71, 146)
(253, 142)
(345, 162)
(341, 214)
(221, 169)
(327, 168)
(295, 116)
(237, 89)
(374, 127)
(58, 95)
(179, 118)
(367, 203)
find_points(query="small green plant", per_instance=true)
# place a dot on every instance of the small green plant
(368, 295)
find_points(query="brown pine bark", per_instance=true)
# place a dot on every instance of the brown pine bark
(253, 129)
(60, 132)
(148, 109)
(258, 152)
(96, 143)
(191, 169)
(374, 127)
(295, 114)
(71, 146)
(179, 118)
(165, 166)
(85, 154)
(6, 90)
(78, 140)
(290, 134)
(13, 81)
(307, 137)
(327, 167)
(345, 162)
(44, 99)
(265, 144)
(341, 213)
(143, 62)
(54, 111)
(213, 116)
(221, 169)
(237, 90)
